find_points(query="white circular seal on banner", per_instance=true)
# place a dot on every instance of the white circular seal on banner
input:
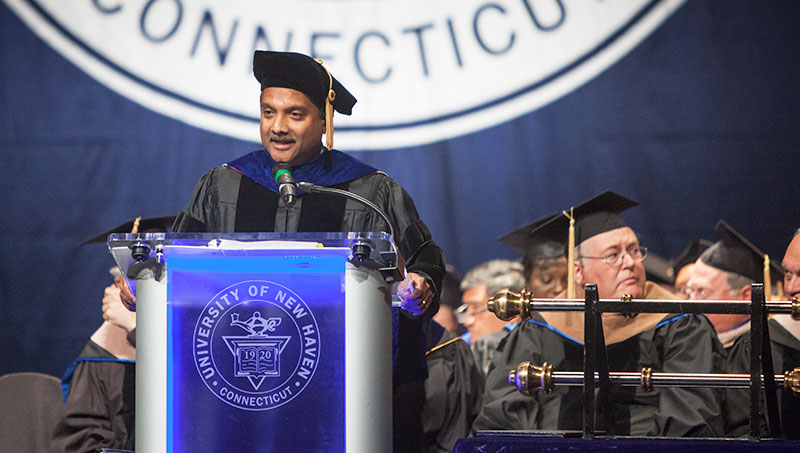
(256, 345)
(422, 70)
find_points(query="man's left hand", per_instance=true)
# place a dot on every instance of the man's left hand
(417, 294)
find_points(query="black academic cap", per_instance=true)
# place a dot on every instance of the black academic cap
(532, 240)
(734, 253)
(689, 255)
(592, 217)
(600, 214)
(302, 73)
(150, 225)
(658, 269)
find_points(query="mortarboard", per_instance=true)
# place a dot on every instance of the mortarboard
(734, 253)
(532, 240)
(599, 215)
(592, 217)
(689, 255)
(658, 269)
(308, 76)
(137, 225)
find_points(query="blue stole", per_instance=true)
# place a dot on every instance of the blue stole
(328, 169)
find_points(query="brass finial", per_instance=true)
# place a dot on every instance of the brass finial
(507, 304)
(528, 378)
(791, 381)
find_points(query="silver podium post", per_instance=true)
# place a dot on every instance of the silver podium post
(368, 361)
(151, 363)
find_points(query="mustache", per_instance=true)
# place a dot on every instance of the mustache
(281, 139)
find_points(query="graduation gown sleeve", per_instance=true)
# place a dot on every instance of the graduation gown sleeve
(453, 394)
(505, 408)
(100, 406)
(688, 345)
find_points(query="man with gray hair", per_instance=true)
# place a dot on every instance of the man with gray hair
(484, 329)
(725, 272)
(784, 335)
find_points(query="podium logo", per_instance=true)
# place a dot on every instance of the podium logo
(256, 345)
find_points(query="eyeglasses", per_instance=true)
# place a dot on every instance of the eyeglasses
(461, 312)
(615, 259)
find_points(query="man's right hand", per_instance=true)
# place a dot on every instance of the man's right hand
(114, 313)
(126, 296)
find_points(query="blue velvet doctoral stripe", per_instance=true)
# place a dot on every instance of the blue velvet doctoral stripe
(549, 327)
(660, 324)
(66, 379)
(328, 169)
(672, 319)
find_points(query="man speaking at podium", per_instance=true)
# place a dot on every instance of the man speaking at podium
(298, 97)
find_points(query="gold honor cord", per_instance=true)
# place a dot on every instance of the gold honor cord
(767, 279)
(328, 108)
(570, 255)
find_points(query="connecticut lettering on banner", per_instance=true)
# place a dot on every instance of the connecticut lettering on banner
(422, 70)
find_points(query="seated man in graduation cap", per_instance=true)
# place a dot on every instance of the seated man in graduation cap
(725, 272)
(98, 386)
(297, 99)
(607, 253)
(784, 332)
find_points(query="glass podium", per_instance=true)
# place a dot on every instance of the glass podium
(262, 341)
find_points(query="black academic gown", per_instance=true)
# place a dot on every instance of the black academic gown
(225, 201)
(99, 405)
(453, 393)
(676, 343)
(785, 357)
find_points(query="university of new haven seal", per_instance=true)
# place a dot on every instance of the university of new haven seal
(256, 345)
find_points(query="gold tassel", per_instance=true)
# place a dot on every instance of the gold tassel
(135, 228)
(767, 279)
(328, 108)
(570, 255)
(329, 120)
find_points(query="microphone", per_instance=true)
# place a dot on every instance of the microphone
(282, 172)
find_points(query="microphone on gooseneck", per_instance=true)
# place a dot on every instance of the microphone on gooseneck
(282, 172)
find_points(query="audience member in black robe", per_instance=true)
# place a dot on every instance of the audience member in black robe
(484, 329)
(99, 387)
(609, 255)
(784, 335)
(453, 391)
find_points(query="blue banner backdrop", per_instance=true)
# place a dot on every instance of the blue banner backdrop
(700, 121)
